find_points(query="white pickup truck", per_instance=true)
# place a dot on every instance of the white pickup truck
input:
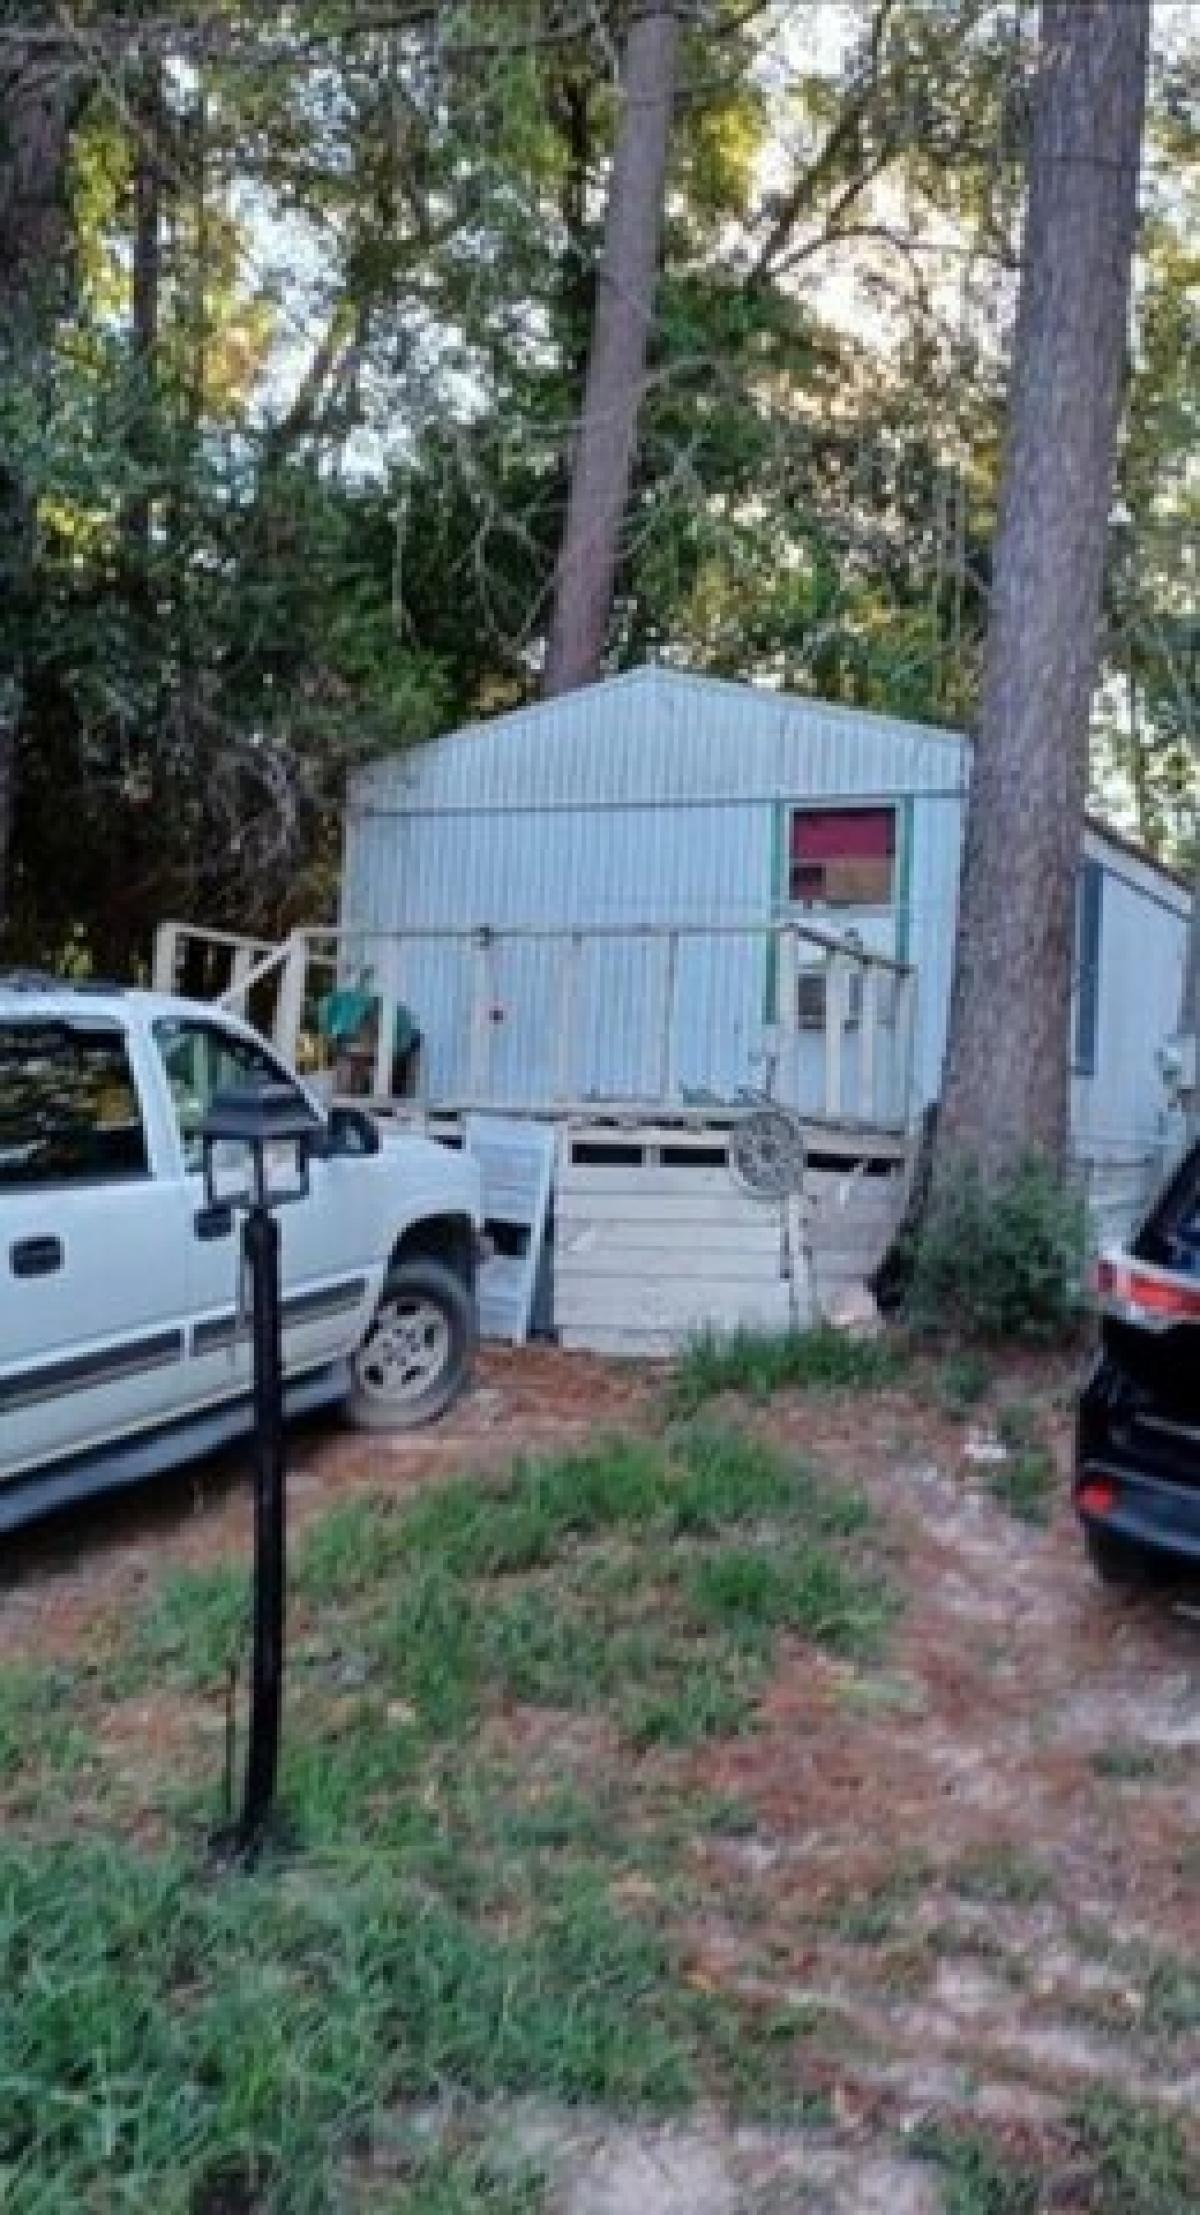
(123, 1349)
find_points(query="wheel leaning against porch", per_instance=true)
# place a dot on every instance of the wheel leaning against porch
(416, 1358)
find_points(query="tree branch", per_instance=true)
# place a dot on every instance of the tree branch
(803, 191)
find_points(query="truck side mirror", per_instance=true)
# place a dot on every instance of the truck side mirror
(349, 1132)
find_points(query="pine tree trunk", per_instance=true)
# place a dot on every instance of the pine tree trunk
(603, 464)
(147, 268)
(36, 102)
(1006, 1087)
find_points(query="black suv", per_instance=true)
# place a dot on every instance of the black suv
(1137, 1468)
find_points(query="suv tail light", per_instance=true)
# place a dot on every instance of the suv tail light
(1137, 1292)
(1097, 1496)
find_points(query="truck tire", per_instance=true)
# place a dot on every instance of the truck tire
(416, 1358)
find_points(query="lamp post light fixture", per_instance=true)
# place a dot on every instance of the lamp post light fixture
(257, 1140)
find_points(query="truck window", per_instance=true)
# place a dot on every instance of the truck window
(69, 1107)
(200, 1060)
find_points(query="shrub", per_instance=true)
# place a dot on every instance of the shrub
(964, 1380)
(1002, 1258)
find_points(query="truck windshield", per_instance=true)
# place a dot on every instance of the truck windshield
(200, 1060)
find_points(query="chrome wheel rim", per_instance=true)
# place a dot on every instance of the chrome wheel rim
(406, 1351)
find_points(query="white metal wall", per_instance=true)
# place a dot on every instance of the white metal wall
(1143, 939)
(613, 868)
(935, 860)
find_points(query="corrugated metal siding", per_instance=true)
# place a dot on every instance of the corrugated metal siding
(609, 868)
(622, 866)
(1143, 944)
(933, 907)
(655, 736)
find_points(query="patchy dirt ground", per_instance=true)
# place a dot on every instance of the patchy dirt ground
(978, 1866)
(1008, 1821)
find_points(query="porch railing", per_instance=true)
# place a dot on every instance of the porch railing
(837, 1042)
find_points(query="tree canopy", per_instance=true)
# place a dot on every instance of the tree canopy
(288, 417)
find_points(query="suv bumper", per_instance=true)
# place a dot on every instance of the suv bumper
(1137, 1461)
(1146, 1510)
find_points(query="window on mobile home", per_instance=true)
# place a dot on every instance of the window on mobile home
(1089, 926)
(842, 857)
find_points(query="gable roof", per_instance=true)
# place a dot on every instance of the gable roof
(1122, 843)
(746, 693)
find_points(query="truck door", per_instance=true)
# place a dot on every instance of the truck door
(328, 1290)
(92, 1315)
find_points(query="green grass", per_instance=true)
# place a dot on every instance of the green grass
(165, 2036)
(699, 1483)
(457, 1912)
(976, 2176)
(1026, 1484)
(804, 1589)
(1018, 1426)
(1168, 1984)
(196, 1629)
(1006, 1875)
(1139, 2159)
(758, 1364)
(1172, 1998)
(646, 1581)
(38, 1730)
(455, 2183)
(348, 1551)
(1122, 1761)
(872, 1918)
(963, 1380)
(638, 1579)
(1167, 1989)
(726, 1816)
(158, 2030)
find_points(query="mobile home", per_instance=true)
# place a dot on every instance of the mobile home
(662, 820)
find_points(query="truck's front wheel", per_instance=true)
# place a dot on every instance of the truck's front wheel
(416, 1358)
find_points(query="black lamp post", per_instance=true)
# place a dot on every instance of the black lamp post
(257, 1140)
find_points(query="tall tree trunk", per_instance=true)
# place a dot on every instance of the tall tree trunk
(36, 103)
(1006, 1085)
(603, 463)
(147, 270)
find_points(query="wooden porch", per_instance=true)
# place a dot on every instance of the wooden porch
(620, 1222)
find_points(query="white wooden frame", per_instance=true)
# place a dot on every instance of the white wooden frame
(253, 962)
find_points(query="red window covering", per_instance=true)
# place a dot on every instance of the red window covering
(842, 857)
(843, 834)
